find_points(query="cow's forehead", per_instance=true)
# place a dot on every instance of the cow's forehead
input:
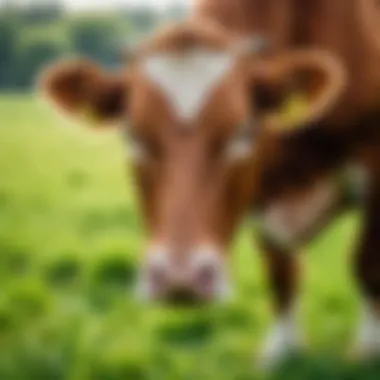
(187, 79)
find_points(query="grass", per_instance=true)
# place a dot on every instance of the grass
(69, 241)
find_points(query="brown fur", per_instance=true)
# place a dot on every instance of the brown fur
(284, 273)
(78, 85)
(370, 12)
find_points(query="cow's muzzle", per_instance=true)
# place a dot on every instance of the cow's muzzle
(191, 279)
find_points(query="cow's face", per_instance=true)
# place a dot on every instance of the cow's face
(192, 105)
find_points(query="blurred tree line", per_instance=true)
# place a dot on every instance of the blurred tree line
(31, 37)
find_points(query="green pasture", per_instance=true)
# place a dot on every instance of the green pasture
(70, 236)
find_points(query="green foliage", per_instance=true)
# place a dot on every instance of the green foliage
(41, 12)
(143, 19)
(96, 37)
(34, 53)
(70, 234)
(34, 35)
(9, 24)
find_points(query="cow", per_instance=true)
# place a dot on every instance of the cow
(201, 105)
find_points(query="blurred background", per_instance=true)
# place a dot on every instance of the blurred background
(70, 235)
(34, 32)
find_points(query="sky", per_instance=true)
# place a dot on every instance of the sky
(101, 4)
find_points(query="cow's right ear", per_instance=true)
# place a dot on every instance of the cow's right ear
(82, 90)
(321, 80)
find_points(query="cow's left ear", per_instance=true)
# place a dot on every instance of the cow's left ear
(317, 77)
(80, 89)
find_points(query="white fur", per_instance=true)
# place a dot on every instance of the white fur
(134, 149)
(210, 255)
(287, 220)
(136, 152)
(187, 79)
(283, 339)
(239, 150)
(158, 255)
(205, 255)
(368, 334)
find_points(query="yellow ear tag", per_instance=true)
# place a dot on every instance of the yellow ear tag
(293, 111)
(89, 116)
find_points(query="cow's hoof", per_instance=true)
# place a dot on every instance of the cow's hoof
(282, 342)
(360, 354)
(367, 344)
(363, 352)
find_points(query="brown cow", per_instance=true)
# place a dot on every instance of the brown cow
(300, 189)
(201, 104)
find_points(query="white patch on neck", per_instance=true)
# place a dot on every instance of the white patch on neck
(187, 79)
(287, 220)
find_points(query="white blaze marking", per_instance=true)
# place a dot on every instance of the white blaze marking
(187, 79)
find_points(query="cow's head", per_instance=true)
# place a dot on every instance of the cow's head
(196, 104)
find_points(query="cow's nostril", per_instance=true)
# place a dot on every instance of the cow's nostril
(207, 272)
(206, 276)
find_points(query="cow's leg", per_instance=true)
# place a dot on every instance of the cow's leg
(367, 270)
(283, 275)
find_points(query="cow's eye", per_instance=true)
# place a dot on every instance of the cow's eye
(241, 146)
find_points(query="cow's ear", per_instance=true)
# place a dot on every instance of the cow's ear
(82, 90)
(317, 77)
